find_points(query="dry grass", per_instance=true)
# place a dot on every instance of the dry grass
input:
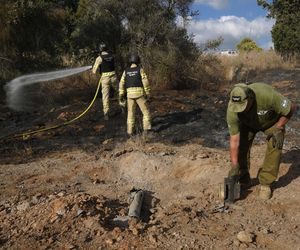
(240, 66)
(258, 61)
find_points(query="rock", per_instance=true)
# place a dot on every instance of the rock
(69, 246)
(51, 197)
(120, 238)
(91, 223)
(98, 129)
(51, 240)
(96, 181)
(61, 194)
(61, 212)
(152, 210)
(266, 231)
(133, 222)
(245, 237)
(152, 238)
(163, 154)
(243, 246)
(154, 202)
(202, 156)
(79, 212)
(153, 229)
(107, 141)
(53, 219)
(236, 242)
(23, 206)
(116, 232)
(63, 116)
(59, 207)
(135, 231)
(110, 242)
(36, 198)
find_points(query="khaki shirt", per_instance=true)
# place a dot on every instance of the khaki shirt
(268, 107)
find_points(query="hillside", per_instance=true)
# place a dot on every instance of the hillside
(64, 189)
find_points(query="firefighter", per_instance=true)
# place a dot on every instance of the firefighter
(135, 86)
(105, 65)
(253, 108)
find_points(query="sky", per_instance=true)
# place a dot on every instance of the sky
(231, 19)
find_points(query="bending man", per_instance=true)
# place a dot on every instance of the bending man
(253, 108)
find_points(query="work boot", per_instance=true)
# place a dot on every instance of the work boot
(245, 181)
(265, 192)
(129, 136)
(147, 135)
(106, 117)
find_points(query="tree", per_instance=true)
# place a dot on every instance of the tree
(286, 31)
(33, 33)
(148, 27)
(247, 45)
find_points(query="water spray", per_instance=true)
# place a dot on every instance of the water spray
(13, 87)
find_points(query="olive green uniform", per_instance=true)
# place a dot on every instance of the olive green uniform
(136, 96)
(268, 107)
(107, 80)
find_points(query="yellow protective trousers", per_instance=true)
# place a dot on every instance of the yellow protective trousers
(131, 104)
(107, 81)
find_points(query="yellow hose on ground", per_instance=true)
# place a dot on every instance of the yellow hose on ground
(26, 135)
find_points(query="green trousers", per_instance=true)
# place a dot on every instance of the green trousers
(269, 170)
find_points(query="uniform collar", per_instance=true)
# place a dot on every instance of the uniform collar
(133, 65)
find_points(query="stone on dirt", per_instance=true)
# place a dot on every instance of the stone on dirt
(23, 206)
(244, 236)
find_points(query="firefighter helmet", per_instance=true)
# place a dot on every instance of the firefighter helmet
(102, 47)
(134, 58)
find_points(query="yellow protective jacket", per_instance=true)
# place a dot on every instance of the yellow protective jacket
(134, 92)
(97, 64)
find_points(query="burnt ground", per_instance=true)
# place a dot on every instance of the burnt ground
(63, 189)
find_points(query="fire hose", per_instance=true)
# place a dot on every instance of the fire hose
(26, 134)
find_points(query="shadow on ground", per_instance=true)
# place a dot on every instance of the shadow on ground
(293, 173)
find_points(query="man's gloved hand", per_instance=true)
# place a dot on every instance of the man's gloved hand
(148, 97)
(277, 138)
(234, 171)
(122, 99)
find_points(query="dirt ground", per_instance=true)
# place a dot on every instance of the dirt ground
(69, 188)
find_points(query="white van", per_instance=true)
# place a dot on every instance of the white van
(229, 52)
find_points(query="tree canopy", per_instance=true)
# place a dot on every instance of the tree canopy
(286, 31)
(247, 45)
(40, 33)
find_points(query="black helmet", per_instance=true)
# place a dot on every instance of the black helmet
(134, 58)
(102, 47)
